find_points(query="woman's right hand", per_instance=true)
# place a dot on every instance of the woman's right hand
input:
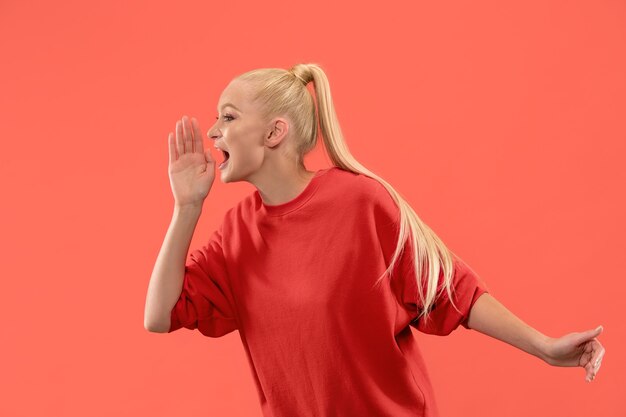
(191, 169)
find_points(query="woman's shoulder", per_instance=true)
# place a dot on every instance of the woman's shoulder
(358, 182)
(363, 191)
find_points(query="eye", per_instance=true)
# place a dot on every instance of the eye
(226, 116)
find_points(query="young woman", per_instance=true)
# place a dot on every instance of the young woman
(322, 272)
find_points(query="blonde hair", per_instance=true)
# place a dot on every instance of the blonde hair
(284, 92)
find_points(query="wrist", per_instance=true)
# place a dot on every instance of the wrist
(188, 209)
(544, 344)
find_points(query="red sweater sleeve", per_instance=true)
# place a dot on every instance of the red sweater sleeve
(203, 303)
(467, 286)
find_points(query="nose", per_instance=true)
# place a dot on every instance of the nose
(212, 135)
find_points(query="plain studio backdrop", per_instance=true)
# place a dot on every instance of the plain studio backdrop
(502, 124)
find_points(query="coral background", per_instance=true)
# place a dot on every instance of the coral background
(502, 123)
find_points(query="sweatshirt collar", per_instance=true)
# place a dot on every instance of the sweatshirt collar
(296, 202)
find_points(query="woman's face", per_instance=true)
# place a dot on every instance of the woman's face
(238, 131)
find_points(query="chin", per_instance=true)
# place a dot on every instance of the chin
(225, 175)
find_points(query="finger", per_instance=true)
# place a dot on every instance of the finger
(586, 336)
(598, 352)
(592, 334)
(172, 147)
(188, 135)
(197, 136)
(208, 157)
(598, 358)
(180, 144)
(590, 373)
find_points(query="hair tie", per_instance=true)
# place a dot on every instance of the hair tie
(298, 77)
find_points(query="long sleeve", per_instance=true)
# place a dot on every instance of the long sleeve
(467, 286)
(204, 301)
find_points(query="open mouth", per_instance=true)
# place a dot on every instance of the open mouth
(226, 156)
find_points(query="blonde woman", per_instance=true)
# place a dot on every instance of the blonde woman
(321, 272)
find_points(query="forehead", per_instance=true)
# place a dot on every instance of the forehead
(238, 94)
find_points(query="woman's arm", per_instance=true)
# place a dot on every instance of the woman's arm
(166, 281)
(490, 317)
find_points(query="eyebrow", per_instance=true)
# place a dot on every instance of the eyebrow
(231, 105)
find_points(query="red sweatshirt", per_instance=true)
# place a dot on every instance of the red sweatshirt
(296, 280)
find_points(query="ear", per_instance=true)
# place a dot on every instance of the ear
(277, 132)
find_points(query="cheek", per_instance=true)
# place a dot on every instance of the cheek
(246, 144)
(245, 155)
(251, 147)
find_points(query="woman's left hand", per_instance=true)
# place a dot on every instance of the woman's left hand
(577, 349)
